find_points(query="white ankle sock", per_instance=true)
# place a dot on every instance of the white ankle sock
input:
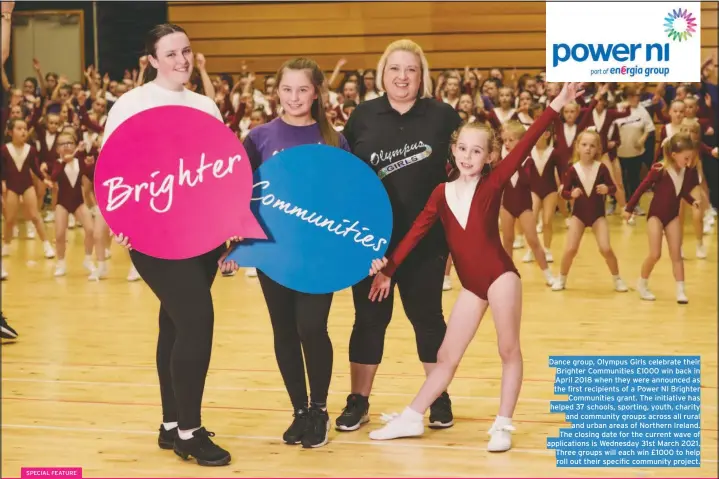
(547, 273)
(643, 283)
(101, 264)
(185, 435)
(169, 426)
(88, 258)
(616, 277)
(503, 421)
(412, 415)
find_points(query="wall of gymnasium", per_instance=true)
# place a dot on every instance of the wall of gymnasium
(453, 34)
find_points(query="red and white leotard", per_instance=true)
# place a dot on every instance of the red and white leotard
(669, 186)
(517, 197)
(471, 225)
(69, 180)
(17, 163)
(589, 206)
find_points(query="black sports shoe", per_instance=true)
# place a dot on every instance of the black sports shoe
(6, 332)
(318, 428)
(166, 439)
(293, 434)
(440, 413)
(201, 447)
(354, 414)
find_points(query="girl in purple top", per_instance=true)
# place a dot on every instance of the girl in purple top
(299, 320)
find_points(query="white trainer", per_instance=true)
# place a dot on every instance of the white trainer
(397, 426)
(620, 286)
(501, 438)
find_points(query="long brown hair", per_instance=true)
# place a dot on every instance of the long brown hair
(329, 135)
(153, 36)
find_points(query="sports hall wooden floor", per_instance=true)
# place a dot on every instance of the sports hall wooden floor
(79, 388)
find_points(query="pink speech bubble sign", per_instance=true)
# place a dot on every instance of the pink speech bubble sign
(176, 182)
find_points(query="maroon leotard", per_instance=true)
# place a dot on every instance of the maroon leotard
(588, 207)
(17, 164)
(476, 250)
(669, 188)
(517, 197)
(69, 195)
(543, 182)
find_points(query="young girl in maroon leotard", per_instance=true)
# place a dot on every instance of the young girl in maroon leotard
(587, 181)
(18, 159)
(67, 171)
(517, 202)
(469, 210)
(667, 179)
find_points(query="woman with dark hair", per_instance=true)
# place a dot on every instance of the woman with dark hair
(404, 136)
(368, 86)
(299, 320)
(183, 286)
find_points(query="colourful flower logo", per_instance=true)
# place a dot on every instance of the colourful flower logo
(680, 24)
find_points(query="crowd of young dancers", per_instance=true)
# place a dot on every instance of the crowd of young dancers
(509, 154)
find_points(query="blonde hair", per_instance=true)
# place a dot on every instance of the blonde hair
(692, 124)
(406, 45)
(492, 145)
(575, 151)
(678, 143)
(515, 128)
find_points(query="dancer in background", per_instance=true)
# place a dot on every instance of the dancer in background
(68, 169)
(667, 180)
(587, 181)
(517, 202)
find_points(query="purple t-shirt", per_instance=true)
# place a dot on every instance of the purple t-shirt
(267, 140)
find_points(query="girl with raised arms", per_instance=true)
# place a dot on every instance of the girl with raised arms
(468, 208)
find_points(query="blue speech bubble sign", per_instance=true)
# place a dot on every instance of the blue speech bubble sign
(326, 215)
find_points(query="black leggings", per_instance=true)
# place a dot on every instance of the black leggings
(187, 318)
(299, 323)
(631, 174)
(420, 287)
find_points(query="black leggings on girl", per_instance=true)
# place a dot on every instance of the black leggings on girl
(299, 322)
(187, 319)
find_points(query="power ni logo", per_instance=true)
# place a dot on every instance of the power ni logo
(663, 43)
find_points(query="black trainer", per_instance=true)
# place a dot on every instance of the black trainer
(6, 332)
(318, 428)
(293, 434)
(354, 414)
(201, 447)
(166, 439)
(440, 413)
